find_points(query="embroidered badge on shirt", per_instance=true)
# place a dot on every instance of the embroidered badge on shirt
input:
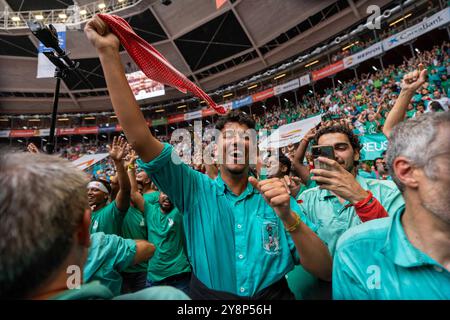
(270, 237)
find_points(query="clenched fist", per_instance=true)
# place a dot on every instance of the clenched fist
(276, 193)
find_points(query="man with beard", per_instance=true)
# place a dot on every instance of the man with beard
(169, 264)
(242, 235)
(405, 256)
(108, 217)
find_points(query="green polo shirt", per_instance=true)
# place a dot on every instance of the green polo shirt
(165, 231)
(235, 244)
(377, 261)
(108, 219)
(134, 227)
(155, 293)
(108, 255)
(89, 291)
(333, 218)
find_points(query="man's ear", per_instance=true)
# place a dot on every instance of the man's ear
(83, 234)
(405, 172)
(356, 156)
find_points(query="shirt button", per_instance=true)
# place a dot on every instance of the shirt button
(242, 289)
(239, 226)
(241, 256)
(438, 269)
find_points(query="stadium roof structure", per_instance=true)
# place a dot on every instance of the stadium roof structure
(213, 47)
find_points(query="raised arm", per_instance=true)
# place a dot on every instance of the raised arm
(410, 83)
(136, 196)
(125, 106)
(117, 152)
(299, 167)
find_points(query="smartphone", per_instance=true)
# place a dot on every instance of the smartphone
(322, 151)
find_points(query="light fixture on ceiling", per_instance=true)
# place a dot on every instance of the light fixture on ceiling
(83, 12)
(101, 6)
(399, 20)
(181, 107)
(311, 63)
(62, 16)
(228, 95)
(160, 110)
(252, 87)
(350, 45)
(39, 17)
(15, 18)
(280, 76)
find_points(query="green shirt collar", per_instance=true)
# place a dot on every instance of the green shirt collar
(222, 188)
(399, 249)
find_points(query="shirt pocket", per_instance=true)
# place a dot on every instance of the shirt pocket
(269, 227)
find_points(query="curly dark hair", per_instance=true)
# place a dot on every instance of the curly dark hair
(354, 141)
(237, 117)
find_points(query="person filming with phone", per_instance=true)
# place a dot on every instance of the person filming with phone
(344, 199)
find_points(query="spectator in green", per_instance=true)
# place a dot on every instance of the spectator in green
(108, 217)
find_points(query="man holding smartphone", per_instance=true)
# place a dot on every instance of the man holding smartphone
(343, 199)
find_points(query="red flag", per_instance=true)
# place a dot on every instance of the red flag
(220, 3)
(151, 62)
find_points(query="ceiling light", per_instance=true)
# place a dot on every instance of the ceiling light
(311, 63)
(401, 19)
(340, 82)
(25, 127)
(374, 68)
(183, 106)
(279, 76)
(228, 95)
(15, 19)
(252, 87)
(102, 6)
(20, 141)
(65, 139)
(172, 128)
(350, 45)
(103, 136)
(4, 120)
(160, 110)
(286, 100)
(89, 118)
(113, 117)
(63, 119)
(39, 17)
(85, 138)
(83, 12)
(310, 91)
(120, 1)
(62, 16)
(34, 120)
(45, 140)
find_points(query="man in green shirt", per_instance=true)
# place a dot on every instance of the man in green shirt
(108, 217)
(169, 265)
(405, 256)
(242, 235)
(45, 247)
(134, 227)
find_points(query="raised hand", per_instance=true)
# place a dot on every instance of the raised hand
(97, 31)
(415, 79)
(339, 181)
(131, 158)
(118, 149)
(276, 193)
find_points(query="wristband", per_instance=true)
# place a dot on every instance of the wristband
(131, 167)
(295, 226)
(365, 201)
(306, 140)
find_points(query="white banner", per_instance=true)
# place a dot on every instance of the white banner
(89, 160)
(436, 20)
(193, 115)
(372, 51)
(304, 80)
(288, 86)
(46, 69)
(290, 133)
(4, 133)
(44, 132)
